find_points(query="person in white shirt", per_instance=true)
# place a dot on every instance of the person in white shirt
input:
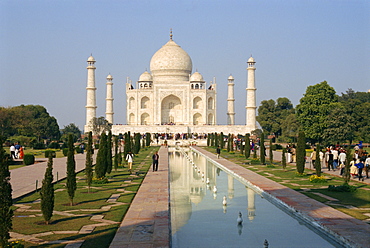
(367, 166)
(130, 159)
(342, 160)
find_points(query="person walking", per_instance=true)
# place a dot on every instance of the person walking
(218, 151)
(12, 151)
(155, 158)
(330, 161)
(130, 160)
(313, 157)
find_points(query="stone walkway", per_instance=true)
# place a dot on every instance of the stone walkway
(344, 228)
(147, 221)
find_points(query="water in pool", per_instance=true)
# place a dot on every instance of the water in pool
(200, 217)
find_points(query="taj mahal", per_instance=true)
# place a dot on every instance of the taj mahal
(170, 98)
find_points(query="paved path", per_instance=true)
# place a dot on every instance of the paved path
(147, 221)
(23, 179)
(345, 228)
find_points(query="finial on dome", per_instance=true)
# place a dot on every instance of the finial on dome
(171, 34)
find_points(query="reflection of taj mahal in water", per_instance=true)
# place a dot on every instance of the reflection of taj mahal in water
(191, 186)
(170, 98)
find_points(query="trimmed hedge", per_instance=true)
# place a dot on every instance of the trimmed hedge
(28, 159)
(65, 151)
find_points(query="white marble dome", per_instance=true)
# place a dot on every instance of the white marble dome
(91, 59)
(171, 60)
(145, 77)
(196, 77)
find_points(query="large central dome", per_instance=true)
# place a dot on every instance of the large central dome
(171, 60)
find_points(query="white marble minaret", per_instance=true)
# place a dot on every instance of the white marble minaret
(251, 96)
(91, 96)
(230, 101)
(109, 100)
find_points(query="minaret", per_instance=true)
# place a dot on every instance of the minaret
(91, 97)
(251, 97)
(230, 101)
(109, 100)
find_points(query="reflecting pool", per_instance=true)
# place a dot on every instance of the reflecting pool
(200, 217)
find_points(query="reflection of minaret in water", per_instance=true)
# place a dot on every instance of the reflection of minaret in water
(230, 186)
(251, 207)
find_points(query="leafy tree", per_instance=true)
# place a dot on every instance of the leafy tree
(247, 146)
(99, 125)
(290, 127)
(318, 161)
(89, 162)
(6, 213)
(73, 129)
(301, 152)
(340, 126)
(71, 170)
(47, 192)
(271, 114)
(313, 109)
(101, 158)
(109, 153)
(262, 149)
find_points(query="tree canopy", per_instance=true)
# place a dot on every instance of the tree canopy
(73, 129)
(28, 120)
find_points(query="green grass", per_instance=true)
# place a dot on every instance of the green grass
(94, 201)
(289, 178)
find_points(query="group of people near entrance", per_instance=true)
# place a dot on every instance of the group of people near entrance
(16, 151)
(335, 158)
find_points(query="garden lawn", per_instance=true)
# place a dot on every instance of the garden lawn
(28, 218)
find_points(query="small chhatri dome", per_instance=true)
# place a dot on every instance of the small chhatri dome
(145, 77)
(91, 59)
(109, 77)
(251, 60)
(171, 60)
(196, 77)
(230, 77)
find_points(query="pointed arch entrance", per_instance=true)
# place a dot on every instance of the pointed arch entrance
(171, 110)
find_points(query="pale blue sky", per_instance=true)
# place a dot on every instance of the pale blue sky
(44, 46)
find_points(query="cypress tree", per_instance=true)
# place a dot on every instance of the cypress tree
(6, 213)
(247, 146)
(216, 140)
(254, 152)
(116, 162)
(228, 142)
(71, 170)
(283, 158)
(101, 159)
(262, 149)
(212, 139)
(109, 153)
(222, 143)
(242, 146)
(347, 175)
(47, 192)
(89, 163)
(208, 139)
(126, 147)
(232, 142)
(148, 139)
(318, 161)
(271, 154)
(137, 138)
(301, 152)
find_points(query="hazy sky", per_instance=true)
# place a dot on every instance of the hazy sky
(44, 46)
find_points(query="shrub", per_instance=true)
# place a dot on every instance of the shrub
(28, 159)
(54, 145)
(78, 149)
(39, 146)
(102, 180)
(342, 188)
(96, 146)
(48, 152)
(276, 147)
(64, 145)
(65, 151)
(317, 179)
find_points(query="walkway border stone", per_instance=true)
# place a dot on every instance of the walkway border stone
(348, 231)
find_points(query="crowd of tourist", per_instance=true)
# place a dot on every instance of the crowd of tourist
(16, 151)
